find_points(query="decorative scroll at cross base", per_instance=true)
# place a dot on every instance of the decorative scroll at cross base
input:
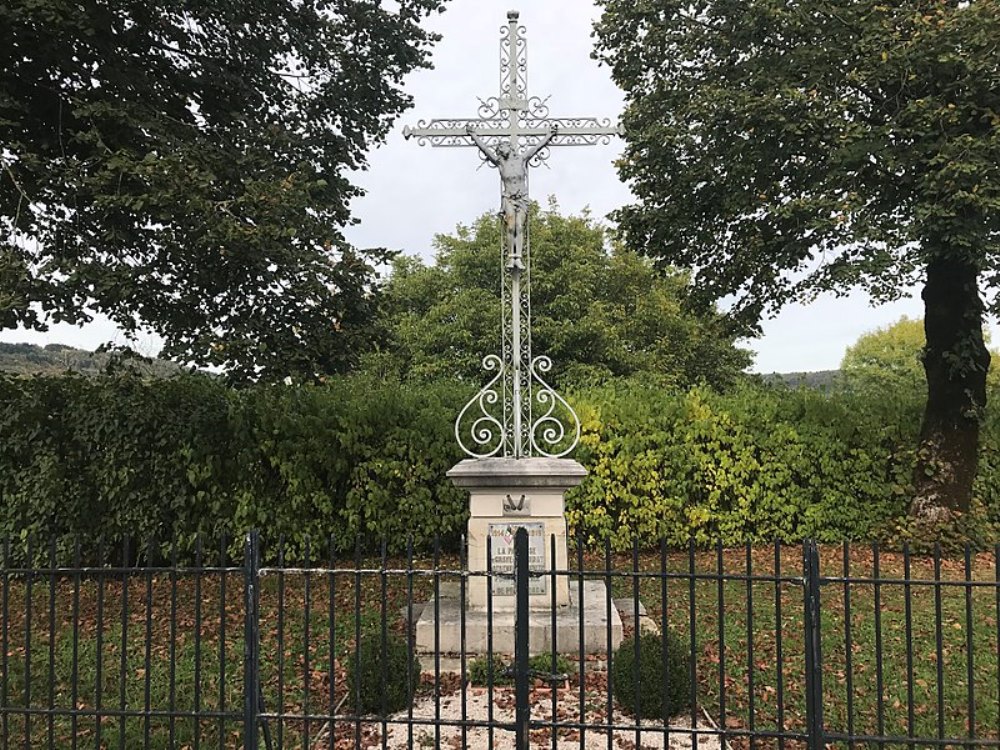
(517, 413)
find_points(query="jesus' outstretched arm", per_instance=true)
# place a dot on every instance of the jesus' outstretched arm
(491, 157)
(530, 154)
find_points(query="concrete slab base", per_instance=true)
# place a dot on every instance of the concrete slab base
(542, 627)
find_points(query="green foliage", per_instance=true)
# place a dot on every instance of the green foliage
(764, 136)
(120, 456)
(889, 359)
(543, 664)
(186, 167)
(377, 674)
(57, 359)
(756, 464)
(638, 685)
(597, 314)
(781, 150)
(482, 669)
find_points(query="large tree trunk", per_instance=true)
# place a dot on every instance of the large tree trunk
(955, 361)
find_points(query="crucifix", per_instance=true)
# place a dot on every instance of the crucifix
(512, 133)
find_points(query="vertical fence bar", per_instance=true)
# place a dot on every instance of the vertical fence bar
(664, 665)
(123, 656)
(437, 641)
(51, 727)
(147, 652)
(172, 669)
(463, 567)
(848, 643)
(693, 636)
(939, 640)
(223, 564)
(99, 655)
(813, 648)
(383, 641)
(357, 643)
(879, 677)
(610, 650)
(779, 647)
(28, 581)
(908, 626)
(637, 636)
(4, 647)
(581, 646)
(280, 707)
(751, 685)
(489, 639)
(198, 563)
(306, 666)
(522, 708)
(410, 637)
(332, 635)
(74, 691)
(721, 624)
(555, 629)
(996, 594)
(251, 642)
(969, 656)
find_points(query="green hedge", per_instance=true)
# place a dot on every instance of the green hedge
(120, 456)
(114, 457)
(756, 464)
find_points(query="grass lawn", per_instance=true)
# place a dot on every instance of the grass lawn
(178, 641)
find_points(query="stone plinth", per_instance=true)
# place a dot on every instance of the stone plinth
(506, 493)
(542, 626)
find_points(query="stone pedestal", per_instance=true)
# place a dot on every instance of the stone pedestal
(507, 493)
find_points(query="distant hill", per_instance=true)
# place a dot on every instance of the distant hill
(817, 379)
(57, 359)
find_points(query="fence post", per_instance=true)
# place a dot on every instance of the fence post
(813, 647)
(251, 641)
(522, 675)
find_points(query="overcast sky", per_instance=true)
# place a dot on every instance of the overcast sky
(415, 192)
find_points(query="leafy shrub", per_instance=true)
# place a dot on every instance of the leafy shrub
(638, 685)
(756, 464)
(376, 685)
(478, 668)
(162, 460)
(479, 671)
(543, 664)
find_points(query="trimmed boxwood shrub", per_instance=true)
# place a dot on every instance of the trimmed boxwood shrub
(640, 687)
(374, 685)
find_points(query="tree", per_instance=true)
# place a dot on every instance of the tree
(785, 149)
(596, 314)
(889, 359)
(185, 167)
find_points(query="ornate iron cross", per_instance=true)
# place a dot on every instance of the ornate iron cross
(514, 132)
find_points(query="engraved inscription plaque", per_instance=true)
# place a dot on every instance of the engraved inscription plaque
(502, 552)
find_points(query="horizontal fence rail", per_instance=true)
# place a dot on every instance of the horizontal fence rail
(245, 644)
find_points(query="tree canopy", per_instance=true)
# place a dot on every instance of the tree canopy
(784, 149)
(596, 313)
(890, 359)
(185, 167)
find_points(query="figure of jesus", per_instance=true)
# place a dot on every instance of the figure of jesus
(513, 166)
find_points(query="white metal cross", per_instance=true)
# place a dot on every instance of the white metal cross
(513, 132)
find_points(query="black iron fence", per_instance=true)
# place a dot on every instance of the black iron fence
(779, 647)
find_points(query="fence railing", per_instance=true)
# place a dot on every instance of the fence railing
(781, 646)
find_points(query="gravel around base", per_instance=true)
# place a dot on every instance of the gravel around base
(477, 708)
